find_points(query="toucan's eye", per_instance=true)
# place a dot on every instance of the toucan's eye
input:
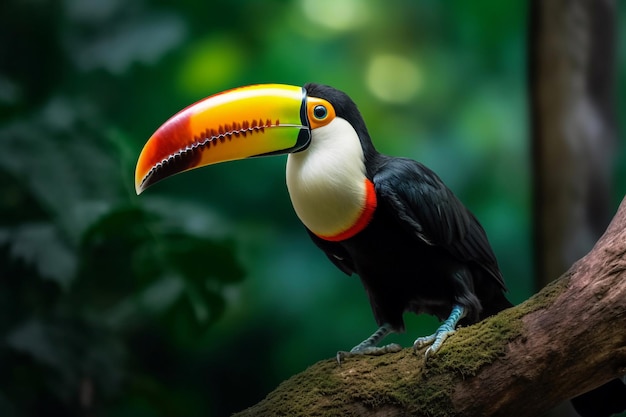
(320, 112)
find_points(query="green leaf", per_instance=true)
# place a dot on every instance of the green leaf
(155, 299)
(199, 258)
(177, 216)
(125, 40)
(169, 252)
(42, 246)
(58, 153)
(70, 350)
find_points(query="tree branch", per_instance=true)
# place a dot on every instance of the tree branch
(564, 341)
(573, 127)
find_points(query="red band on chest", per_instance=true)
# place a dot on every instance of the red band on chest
(364, 218)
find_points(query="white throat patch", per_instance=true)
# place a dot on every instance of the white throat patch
(326, 182)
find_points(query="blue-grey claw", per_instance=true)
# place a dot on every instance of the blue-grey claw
(436, 339)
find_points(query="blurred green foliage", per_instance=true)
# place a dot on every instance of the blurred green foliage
(116, 305)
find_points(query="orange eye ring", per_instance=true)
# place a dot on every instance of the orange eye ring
(319, 112)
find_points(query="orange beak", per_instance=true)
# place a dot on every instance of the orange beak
(245, 122)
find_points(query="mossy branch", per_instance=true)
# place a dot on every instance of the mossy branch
(564, 341)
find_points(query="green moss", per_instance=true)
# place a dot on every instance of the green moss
(403, 380)
(479, 345)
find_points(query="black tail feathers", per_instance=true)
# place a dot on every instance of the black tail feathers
(497, 303)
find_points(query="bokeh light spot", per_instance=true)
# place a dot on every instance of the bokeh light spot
(393, 78)
(338, 15)
(210, 65)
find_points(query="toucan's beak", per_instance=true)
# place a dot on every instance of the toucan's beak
(250, 121)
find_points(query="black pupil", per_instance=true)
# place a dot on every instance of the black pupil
(320, 112)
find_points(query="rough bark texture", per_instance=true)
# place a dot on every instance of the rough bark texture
(563, 341)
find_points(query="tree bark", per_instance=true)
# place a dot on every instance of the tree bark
(573, 127)
(564, 341)
(573, 130)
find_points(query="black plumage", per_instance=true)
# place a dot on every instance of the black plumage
(423, 251)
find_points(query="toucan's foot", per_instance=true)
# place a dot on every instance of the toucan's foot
(369, 350)
(368, 346)
(436, 339)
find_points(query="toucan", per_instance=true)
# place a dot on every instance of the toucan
(389, 220)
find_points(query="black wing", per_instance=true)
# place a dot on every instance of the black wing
(436, 216)
(335, 252)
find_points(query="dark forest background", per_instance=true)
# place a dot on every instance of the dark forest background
(200, 296)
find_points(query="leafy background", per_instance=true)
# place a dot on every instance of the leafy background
(200, 296)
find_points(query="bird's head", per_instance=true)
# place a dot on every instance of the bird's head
(257, 120)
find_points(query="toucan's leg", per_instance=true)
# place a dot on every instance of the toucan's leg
(370, 343)
(446, 329)
(368, 346)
